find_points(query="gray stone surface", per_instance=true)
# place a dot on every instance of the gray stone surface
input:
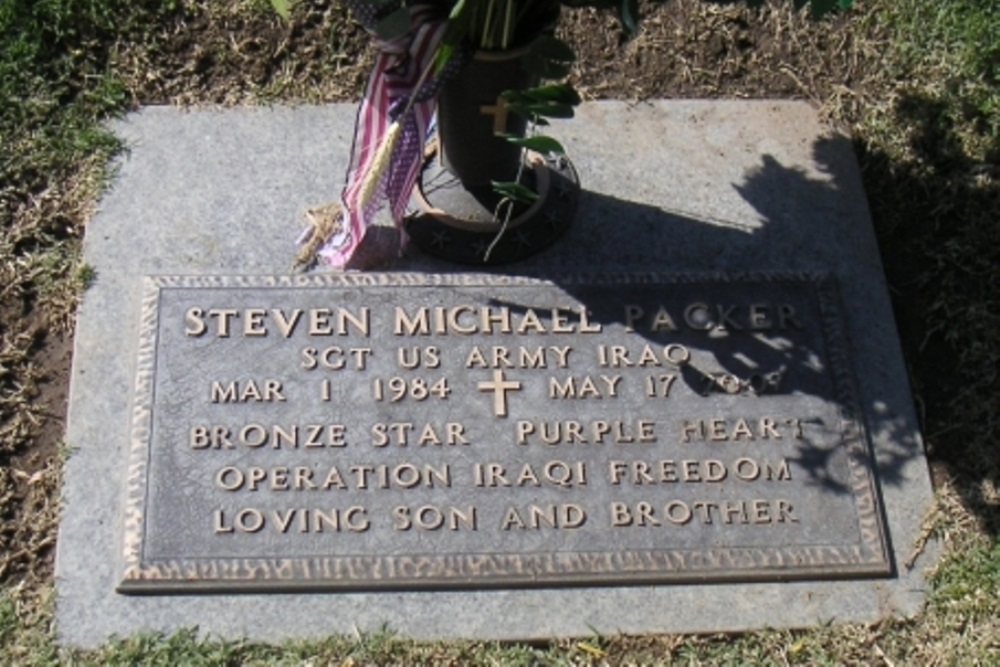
(670, 187)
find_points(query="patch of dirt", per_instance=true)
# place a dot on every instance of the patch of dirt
(30, 476)
(221, 53)
(695, 49)
(54, 361)
(686, 48)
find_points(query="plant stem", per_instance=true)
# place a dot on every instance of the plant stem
(508, 25)
(486, 41)
(510, 203)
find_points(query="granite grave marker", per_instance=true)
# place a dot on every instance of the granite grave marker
(690, 414)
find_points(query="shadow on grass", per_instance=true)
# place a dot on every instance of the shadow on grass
(936, 214)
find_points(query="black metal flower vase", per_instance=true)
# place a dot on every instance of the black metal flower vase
(459, 216)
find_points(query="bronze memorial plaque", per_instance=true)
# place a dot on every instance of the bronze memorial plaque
(398, 431)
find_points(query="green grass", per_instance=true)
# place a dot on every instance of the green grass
(970, 579)
(55, 87)
(930, 141)
(933, 172)
(952, 49)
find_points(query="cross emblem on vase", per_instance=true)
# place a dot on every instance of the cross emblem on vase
(499, 385)
(499, 113)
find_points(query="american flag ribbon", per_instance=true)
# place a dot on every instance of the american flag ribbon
(393, 82)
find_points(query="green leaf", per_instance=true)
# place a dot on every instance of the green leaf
(281, 6)
(627, 11)
(602, 5)
(554, 101)
(548, 58)
(394, 25)
(628, 14)
(553, 48)
(531, 110)
(820, 7)
(456, 30)
(441, 56)
(563, 93)
(539, 143)
(515, 191)
(456, 10)
(553, 94)
(545, 69)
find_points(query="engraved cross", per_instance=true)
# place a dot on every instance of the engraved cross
(499, 385)
(499, 113)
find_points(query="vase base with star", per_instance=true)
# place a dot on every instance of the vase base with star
(472, 224)
(460, 216)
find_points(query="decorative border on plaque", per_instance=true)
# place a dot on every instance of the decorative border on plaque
(868, 557)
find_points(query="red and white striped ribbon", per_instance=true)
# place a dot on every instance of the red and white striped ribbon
(396, 75)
